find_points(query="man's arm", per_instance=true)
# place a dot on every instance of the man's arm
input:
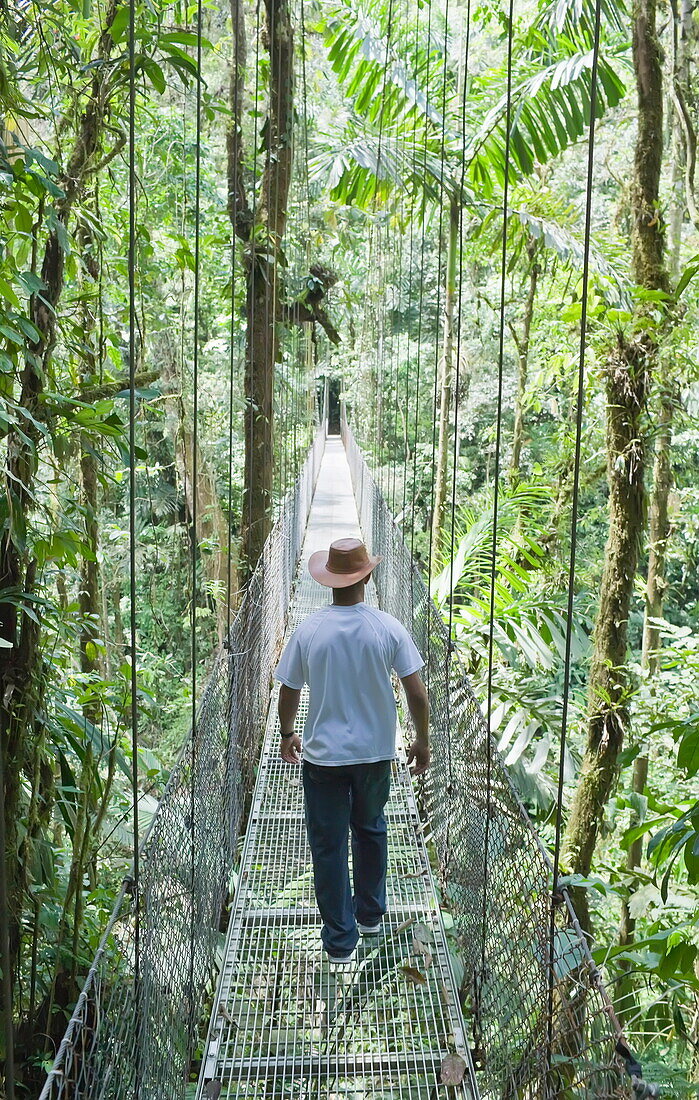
(419, 707)
(288, 705)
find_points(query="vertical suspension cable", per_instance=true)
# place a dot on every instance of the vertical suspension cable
(231, 377)
(395, 353)
(459, 315)
(233, 336)
(310, 382)
(278, 424)
(407, 158)
(457, 354)
(411, 271)
(408, 389)
(422, 272)
(7, 1001)
(132, 546)
(555, 898)
(439, 288)
(496, 486)
(251, 335)
(382, 339)
(195, 522)
(397, 323)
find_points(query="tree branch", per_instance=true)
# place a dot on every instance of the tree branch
(111, 389)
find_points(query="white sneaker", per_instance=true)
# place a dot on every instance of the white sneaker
(369, 929)
(341, 959)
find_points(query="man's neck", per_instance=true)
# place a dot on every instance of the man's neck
(345, 597)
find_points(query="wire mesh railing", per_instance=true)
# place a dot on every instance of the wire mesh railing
(541, 1023)
(134, 1026)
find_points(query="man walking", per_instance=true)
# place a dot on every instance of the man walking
(345, 653)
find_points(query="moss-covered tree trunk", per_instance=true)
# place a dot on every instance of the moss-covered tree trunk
(20, 661)
(261, 225)
(627, 374)
(659, 532)
(658, 535)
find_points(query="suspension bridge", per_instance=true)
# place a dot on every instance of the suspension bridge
(479, 982)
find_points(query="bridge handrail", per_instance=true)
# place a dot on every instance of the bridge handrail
(528, 1030)
(120, 1032)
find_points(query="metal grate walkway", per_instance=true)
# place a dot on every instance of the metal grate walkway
(285, 1022)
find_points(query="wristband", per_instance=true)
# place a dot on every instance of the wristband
(286, 736)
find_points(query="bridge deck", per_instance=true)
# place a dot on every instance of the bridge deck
(285, 1022)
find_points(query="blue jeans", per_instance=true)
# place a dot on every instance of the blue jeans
(338, 800)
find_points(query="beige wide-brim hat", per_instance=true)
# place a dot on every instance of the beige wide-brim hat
(346, 562)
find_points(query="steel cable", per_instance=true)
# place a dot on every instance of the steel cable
(432, 549)
(567, 664)
(195, 532)
(496, 488)
(233, 199)
(135, 887)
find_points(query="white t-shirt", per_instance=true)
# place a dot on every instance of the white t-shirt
(345, 655)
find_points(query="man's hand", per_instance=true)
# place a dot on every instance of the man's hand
(419, 707)
(419, 757)
(289, 749)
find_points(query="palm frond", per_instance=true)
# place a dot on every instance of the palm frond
(576, 18)
(365, 60)
(359, 165)
(550, 110)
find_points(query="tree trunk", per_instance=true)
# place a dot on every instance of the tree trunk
(89, 598)
(684, 46)
(626, 386)
(677, 205)
(263, 233)
(659, 534)
(211, 535)
(522, 342)
(446, 387)
(624, 1002)
(627, 377)
(655, 595)
(212, 529)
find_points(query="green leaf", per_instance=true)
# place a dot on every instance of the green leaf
(688, 751)
(587, 882)
(63, 546)
(7, 292)
(57, 226)
(155, 74)
(30, 330)
(23, 219)
(12, 334)
(182, 38)
(31, 282)
(568, 953)
(183, 64)
(82, 732)
(119, 24)
(49, 166)
(637, 831)
(691, 268)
